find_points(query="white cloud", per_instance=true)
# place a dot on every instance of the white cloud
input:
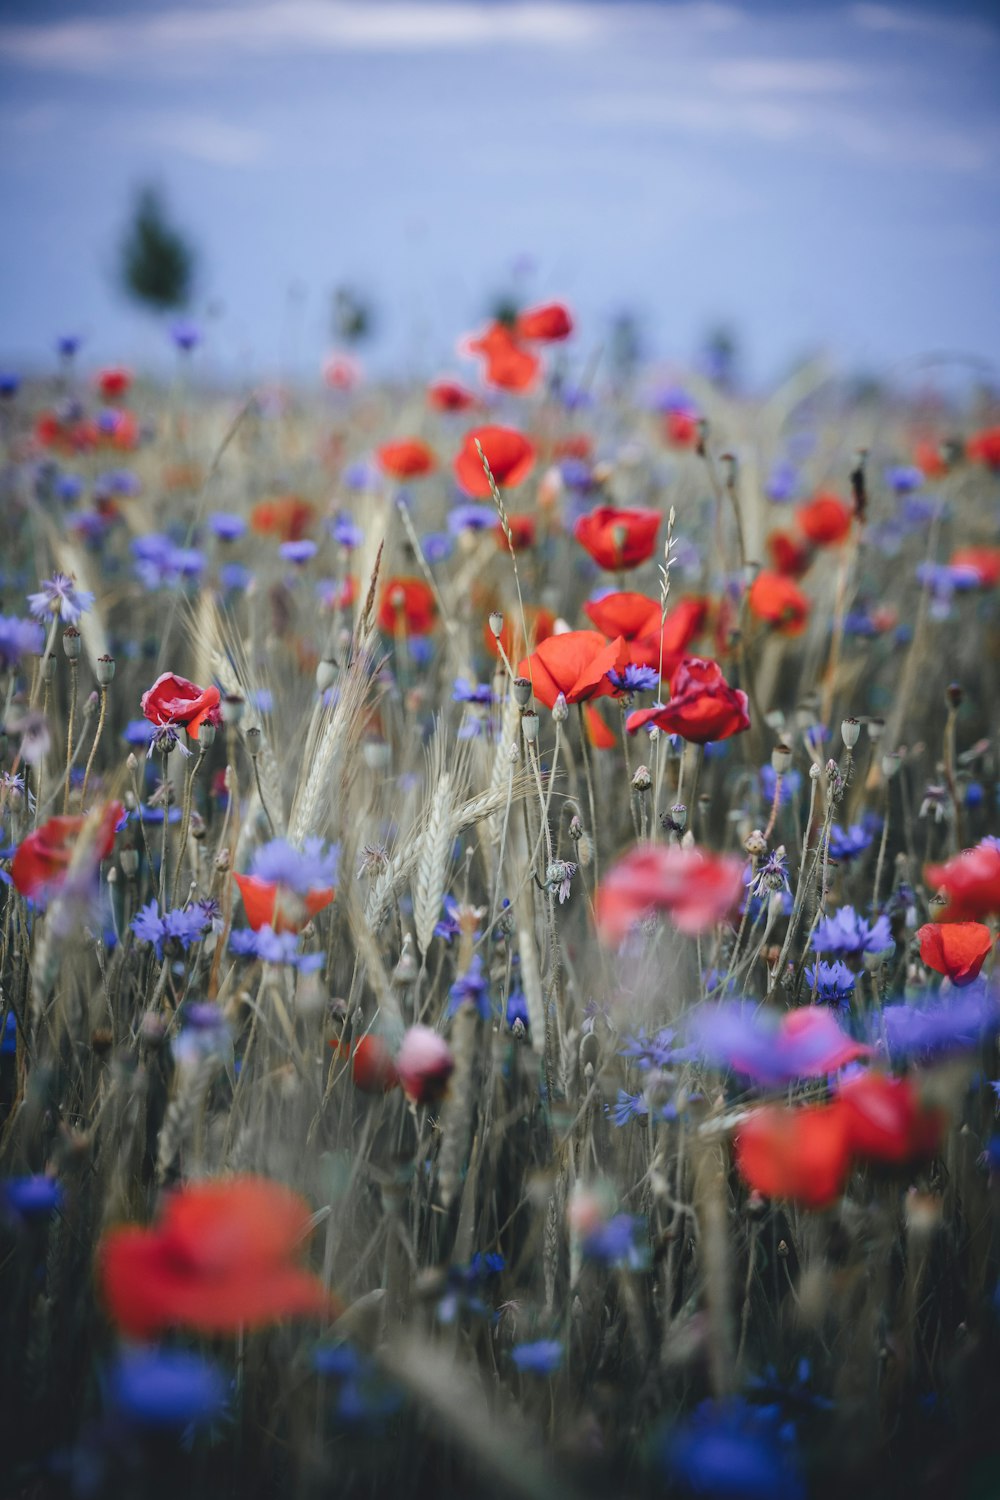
(942, 28)
(779, 75)
(204, 138)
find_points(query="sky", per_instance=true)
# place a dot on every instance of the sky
(817, 176)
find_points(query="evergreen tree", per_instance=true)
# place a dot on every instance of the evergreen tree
(157, 262)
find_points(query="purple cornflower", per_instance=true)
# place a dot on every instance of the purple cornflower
(346, 532)
(517, 1009)
(791, 782)
(543, 1357)
(58, 596)
(10, 384)
(651, 1052)
(848, 843)
(68, 344)
(183, 926)
(470, 517)
(904, 478)
(471, 987)
(275, 948)
(846, 932)
(614, 1243)
(19, 638)
(226, 526)
(833, 983)
(234, 575)
(937, 1027)
(635, 679)
(301, 870)
(781, 483)
(31, 1197)
(465, 691)
(166, 1389)
(770, 875)
(299, 552)
(628, 1107)
(185, 334)
(438, 546)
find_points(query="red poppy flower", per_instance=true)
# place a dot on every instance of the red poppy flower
(803, 1154)
(123, 432)
(42, 858)
(826, 520)
(956, 949)
(425, 1064)
(448, 395)
(546, 324)
(618, 539)
(599, 733)
(680, 428)
(702, 708)
(173, 700)
(779, 602)
(408, 459)
(637, 618)
(695, 889)
(790, 555)
(268, 903)
(508, 364)
(984, 447)
(540, 622)
(287, 516)
(523, 529)
(886, 1121)
(575, 663)
(971, 881)
(69, 437)
(372, 1067)
(221, 1259)
(928, 457)
(576, 445)
(984, 560)
(113, 383)
(408, 604)
(341, 373)
(510, 455)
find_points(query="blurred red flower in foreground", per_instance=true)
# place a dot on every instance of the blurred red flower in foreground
(807, 1153)
(983, 560)
(618, 539)
(372, 1067)
(694, 888)
(508, 364)
(268, 903)
(826, 520)
(509, 454)
(575, 663)
(547, 323)
(637, 618)
(984, 447)
(407, 459)
(287, 517)
(523, 530)
(113, 383)
(790, 555)
(956, 949)
(703, 707)
(928, 457)
(680, 428)
(448, 395)
(221, 1259)
(42, 858)
(971, 881)
(408, 604)
(173, 700)
(424, 1064)
(778, 601)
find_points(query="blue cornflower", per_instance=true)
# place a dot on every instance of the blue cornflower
(733, 1451)
(449, 926)
(345, 532)
(69, 487)
(791, 783)
(275, 948)
(10, 384)
(438, 546)
(162, 564)
(122, 482)
(58, 596)
(629, 1107)
(904, 478)
(32, 1197)
(577, 474)
(614, 1243)
(138, 732)
(8, 1036)
(299, 552)
(781, 483)
(67, 344)
(301, 870)
(166, 1388)
(471, 517)
(543, 1357)
(19, 638)
(958, 1023)
(848, 843)
(465, 691)
(846, 932)
(635, 679)
(650, 1052)
(517, 1009)
(183, 926)
(234, 575)
(360, 476)
(974, 794)
(833, 983)
(471, 987)
(185, 334)
(226, 526)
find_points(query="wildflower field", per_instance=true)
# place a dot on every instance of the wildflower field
(500, 894)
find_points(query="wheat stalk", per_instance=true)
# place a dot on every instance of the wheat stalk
(429, 885)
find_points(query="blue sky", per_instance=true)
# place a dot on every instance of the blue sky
(818, 176)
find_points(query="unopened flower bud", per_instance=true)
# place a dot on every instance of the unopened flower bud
(496, 623)
(891, 764)
(130, 861)
(72, 643)
(954, 695)
(641, 779)
(521, 688)
(48, 667)
(755, 844)
(326, 675)
(529, 726)
(105, 670)
(679, 815)
(781, 759)
(850, 731)
(132, 763)
(876, 729)
(560, 709)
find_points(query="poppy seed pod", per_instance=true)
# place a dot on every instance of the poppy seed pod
(207, 735)
(781, 760)
(522, 691)
(72, 643)
(105, 670)
(876, 729)
(252, 737)
(850, 731)
(529, 726)
(232, 709)
(496, 623)
(48, 666)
